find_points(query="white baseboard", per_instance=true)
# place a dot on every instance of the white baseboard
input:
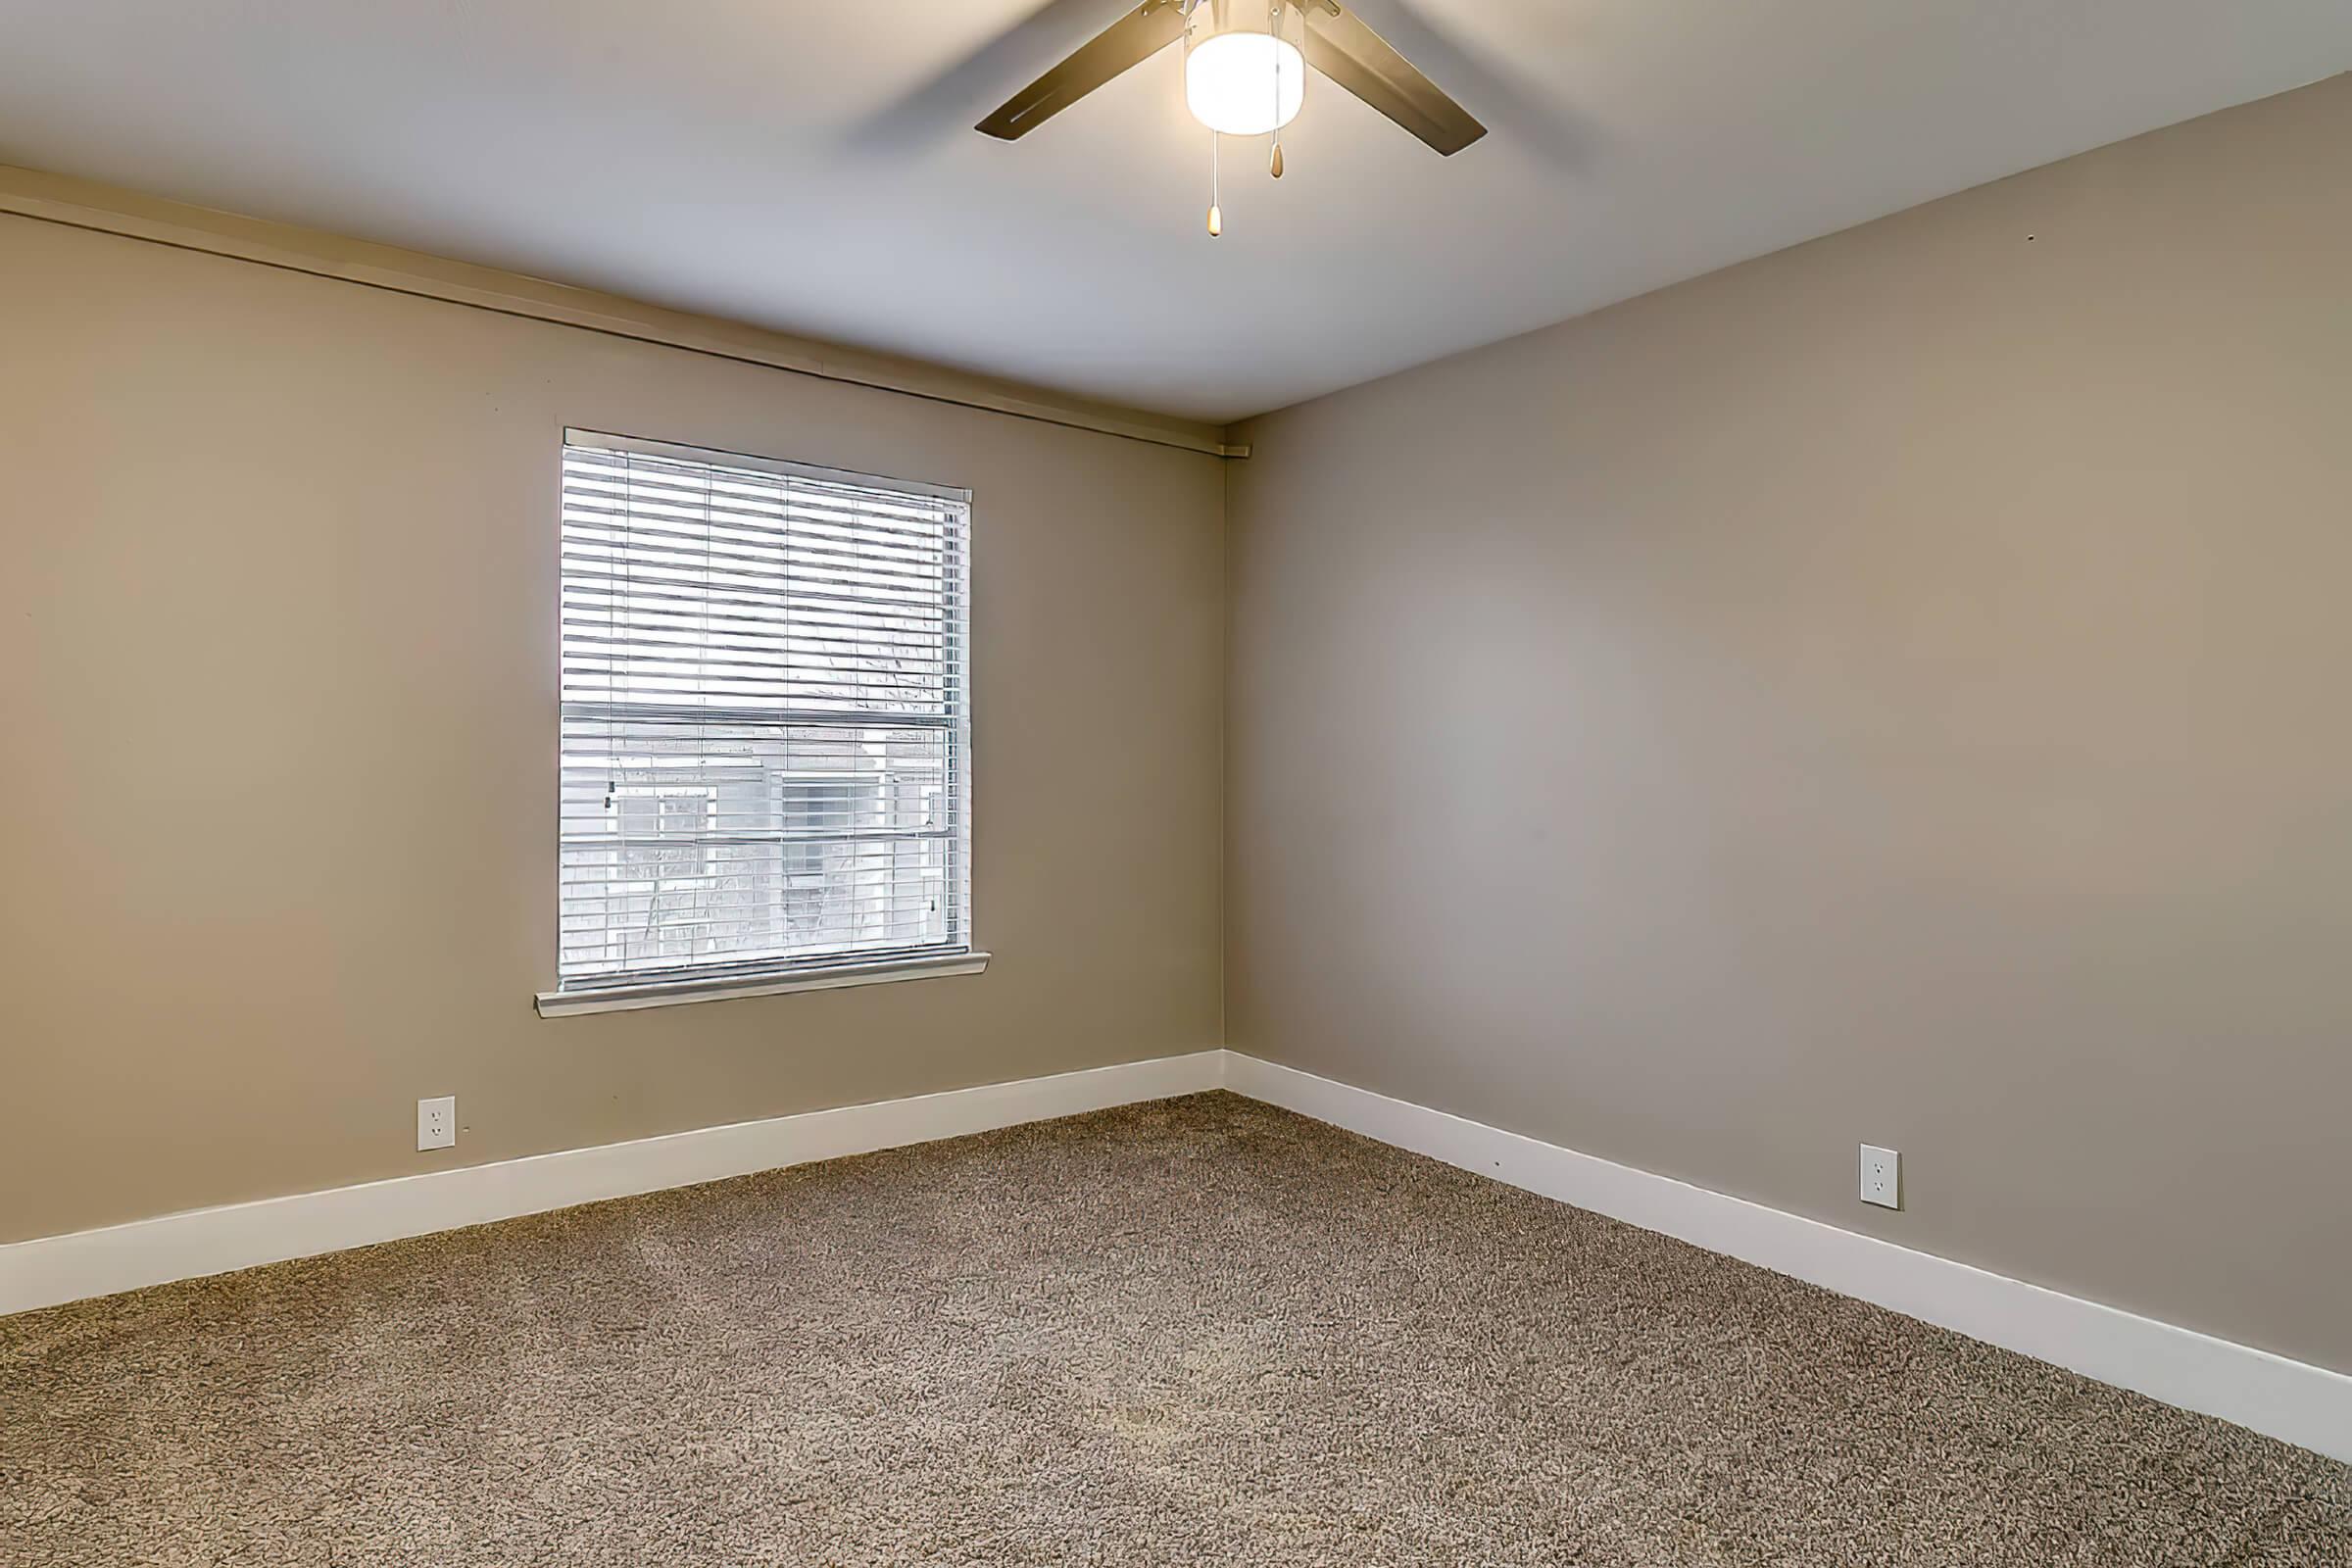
(2303, 1405)
(216, 1241)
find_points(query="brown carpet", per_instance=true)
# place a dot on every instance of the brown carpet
(1204, 1331)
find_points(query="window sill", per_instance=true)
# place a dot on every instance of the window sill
(675, 992)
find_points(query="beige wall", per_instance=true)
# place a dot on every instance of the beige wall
(1893, 690)
(278, 577)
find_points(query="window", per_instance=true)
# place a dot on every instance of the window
(765, 776)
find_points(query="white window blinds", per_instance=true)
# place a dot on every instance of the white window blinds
(765, 716)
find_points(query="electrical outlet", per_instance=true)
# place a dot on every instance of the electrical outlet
(1882, 1177)
(437, 1122)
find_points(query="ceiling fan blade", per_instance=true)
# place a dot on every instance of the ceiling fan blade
(1129, 41)
(1352, 55)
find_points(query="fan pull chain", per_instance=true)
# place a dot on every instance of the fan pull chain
(1216, 217)
(1274, 28)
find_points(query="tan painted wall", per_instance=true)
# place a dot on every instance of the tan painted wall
(1893, 690)
(278, 576)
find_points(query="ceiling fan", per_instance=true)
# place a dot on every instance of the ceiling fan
(1245, 72)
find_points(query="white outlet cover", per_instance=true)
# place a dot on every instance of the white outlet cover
(437, 1122)
(1882, 1176)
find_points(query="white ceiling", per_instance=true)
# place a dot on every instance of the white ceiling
(809, 164)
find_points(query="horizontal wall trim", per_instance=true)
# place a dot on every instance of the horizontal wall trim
(111, 209)
(828, 977)
(2300, 1403)
(2289, 1400)
(216, 1241)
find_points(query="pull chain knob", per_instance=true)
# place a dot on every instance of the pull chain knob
(1216, 214)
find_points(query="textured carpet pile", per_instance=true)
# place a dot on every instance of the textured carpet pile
(1202, 1331)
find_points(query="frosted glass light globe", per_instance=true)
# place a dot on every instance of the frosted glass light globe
(1245, 84)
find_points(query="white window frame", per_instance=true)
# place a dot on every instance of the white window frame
(962, 958)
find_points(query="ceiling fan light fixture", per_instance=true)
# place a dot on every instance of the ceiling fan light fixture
(1240, 79)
